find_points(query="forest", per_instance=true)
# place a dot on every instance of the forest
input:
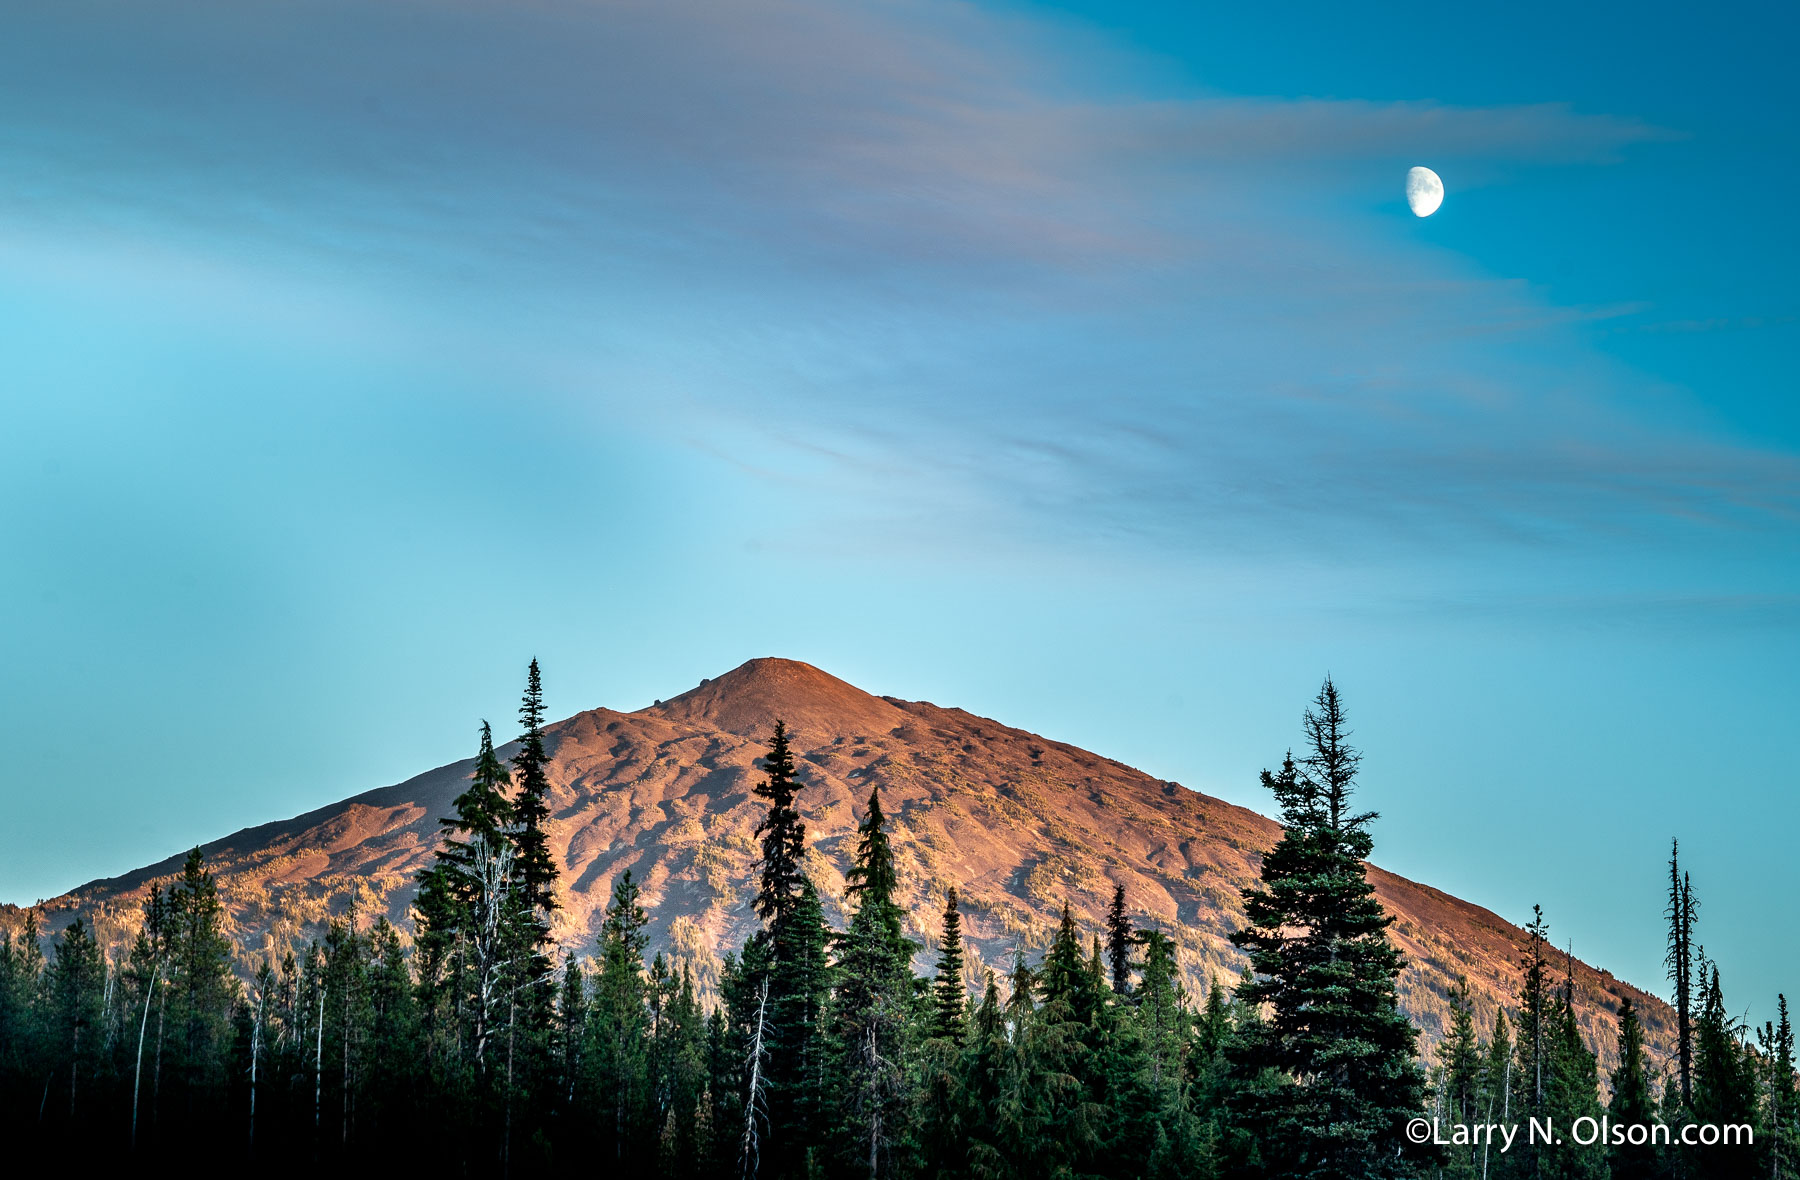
(471, 1044)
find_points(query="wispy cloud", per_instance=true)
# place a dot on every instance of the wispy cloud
(963, 287)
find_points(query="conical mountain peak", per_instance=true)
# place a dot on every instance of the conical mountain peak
(750, 698)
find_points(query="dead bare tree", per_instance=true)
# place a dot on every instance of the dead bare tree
(137, 1073)
(756, 1101)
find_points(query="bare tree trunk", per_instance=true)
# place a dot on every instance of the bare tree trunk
(256, 1034)
(162, 1008)
(750, 1147)
(345, 1136)
(512, 1010)
(319, 1064)
(74, 1066)
(137, 1073)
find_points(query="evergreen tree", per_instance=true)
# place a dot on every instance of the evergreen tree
(1177, 1143)
(1780, 1137)
(77, 976)
(21, 976)
(792, 1011)
(949, 995)
(874, 989)
(618, 1044)
(1119, 941)
(1065, 1075)
(1632, 1102)
(783, 835)
(1324, 966)
(1681, 913)
(1724, 1081)
(1496, 1083)
(202, 987)
(1535, 1052)
(1460, 1060)
(469, 898)
(534, 866)
(1576, 1094)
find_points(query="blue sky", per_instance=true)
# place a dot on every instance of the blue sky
(1077, 364)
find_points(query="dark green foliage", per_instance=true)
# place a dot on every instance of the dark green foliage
(1119, 941)
(782, 832)
(1459, 1081)
(1681, 913)
(535, 867)
(871, 1010)
(1632, 1101)
(461, 1052)
(1725, 1081)
(1780, 1139)
(76, 986)
(1337, 1049)
(949, 995)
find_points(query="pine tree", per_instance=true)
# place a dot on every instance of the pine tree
(1780, 1138)
(469, 901)
(782, 832)
(1164, 1034)
(1324, 966)
(1459, 1059)
(874, 989)
(534, 866)
(949, 995)
(1496, 1083)
(393, 1044)
(1063, 1044)
(77, 975)
(1724, 1080)
(1535, 1049)
(1632, 1102)
(1119, 941)
(1576, 1092)
(1681, 913)
(202, 986)
(618, 1043)
(792, 1012)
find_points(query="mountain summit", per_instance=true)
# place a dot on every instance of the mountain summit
(1018, 824)
(750, 698)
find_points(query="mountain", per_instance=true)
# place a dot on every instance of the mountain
(1018, 823)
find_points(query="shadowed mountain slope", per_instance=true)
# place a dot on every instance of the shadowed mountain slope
(1016, 822)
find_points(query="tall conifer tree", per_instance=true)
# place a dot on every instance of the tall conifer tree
(949, 994)
(1681, 913)
(1324, 966)
(1119, 941)
(873, 1001)
(1632, 1102)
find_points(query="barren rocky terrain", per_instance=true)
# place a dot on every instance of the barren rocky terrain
(1016, 822)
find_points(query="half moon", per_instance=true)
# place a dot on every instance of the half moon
(1424, 191)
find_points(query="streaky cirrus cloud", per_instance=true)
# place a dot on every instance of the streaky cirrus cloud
(911, 242)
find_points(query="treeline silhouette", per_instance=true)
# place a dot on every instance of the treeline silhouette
(479, 1047)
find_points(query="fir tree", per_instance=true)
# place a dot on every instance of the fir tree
(618, 1045)
(1780, 1139)
(949, 995)
(1119, 941)
(1318, 945)
(77, 976)
(782, 832)
(1535, 1051)
(202, 986)
(1632, 1102)
(1681, 913)
(1724, 1080)
(1459, 1060)
(534, 866)
(874, 987)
